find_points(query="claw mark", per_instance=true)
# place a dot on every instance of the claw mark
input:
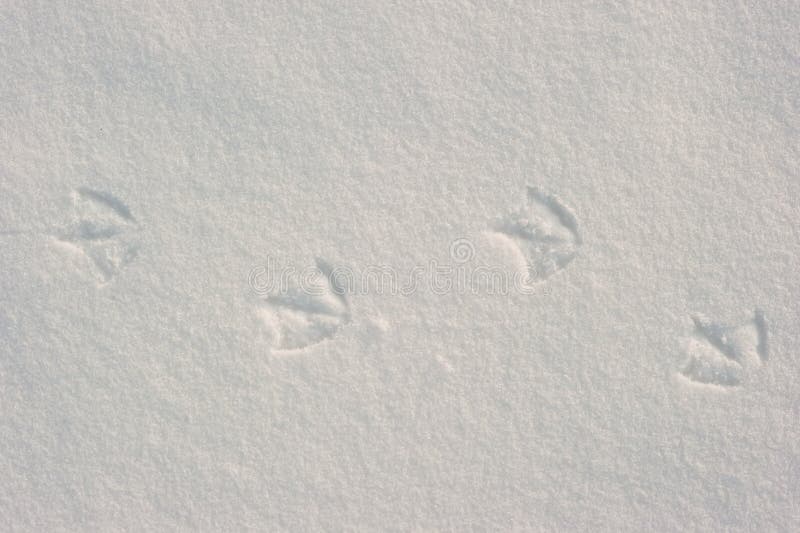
(545, 231)
(718, 336)
(303, 316)
(563, 214)
(760, 322)
(107, 199)
(721, 355)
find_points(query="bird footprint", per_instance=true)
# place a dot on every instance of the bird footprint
(721, 355)
(104, 230)
(306, 314)
(545, 232)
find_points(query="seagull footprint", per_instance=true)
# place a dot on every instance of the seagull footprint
(302, 316)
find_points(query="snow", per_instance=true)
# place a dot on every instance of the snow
(423, 266)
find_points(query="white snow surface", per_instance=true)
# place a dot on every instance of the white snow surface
(640, 161)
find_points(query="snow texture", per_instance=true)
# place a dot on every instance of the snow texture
(399, 266)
